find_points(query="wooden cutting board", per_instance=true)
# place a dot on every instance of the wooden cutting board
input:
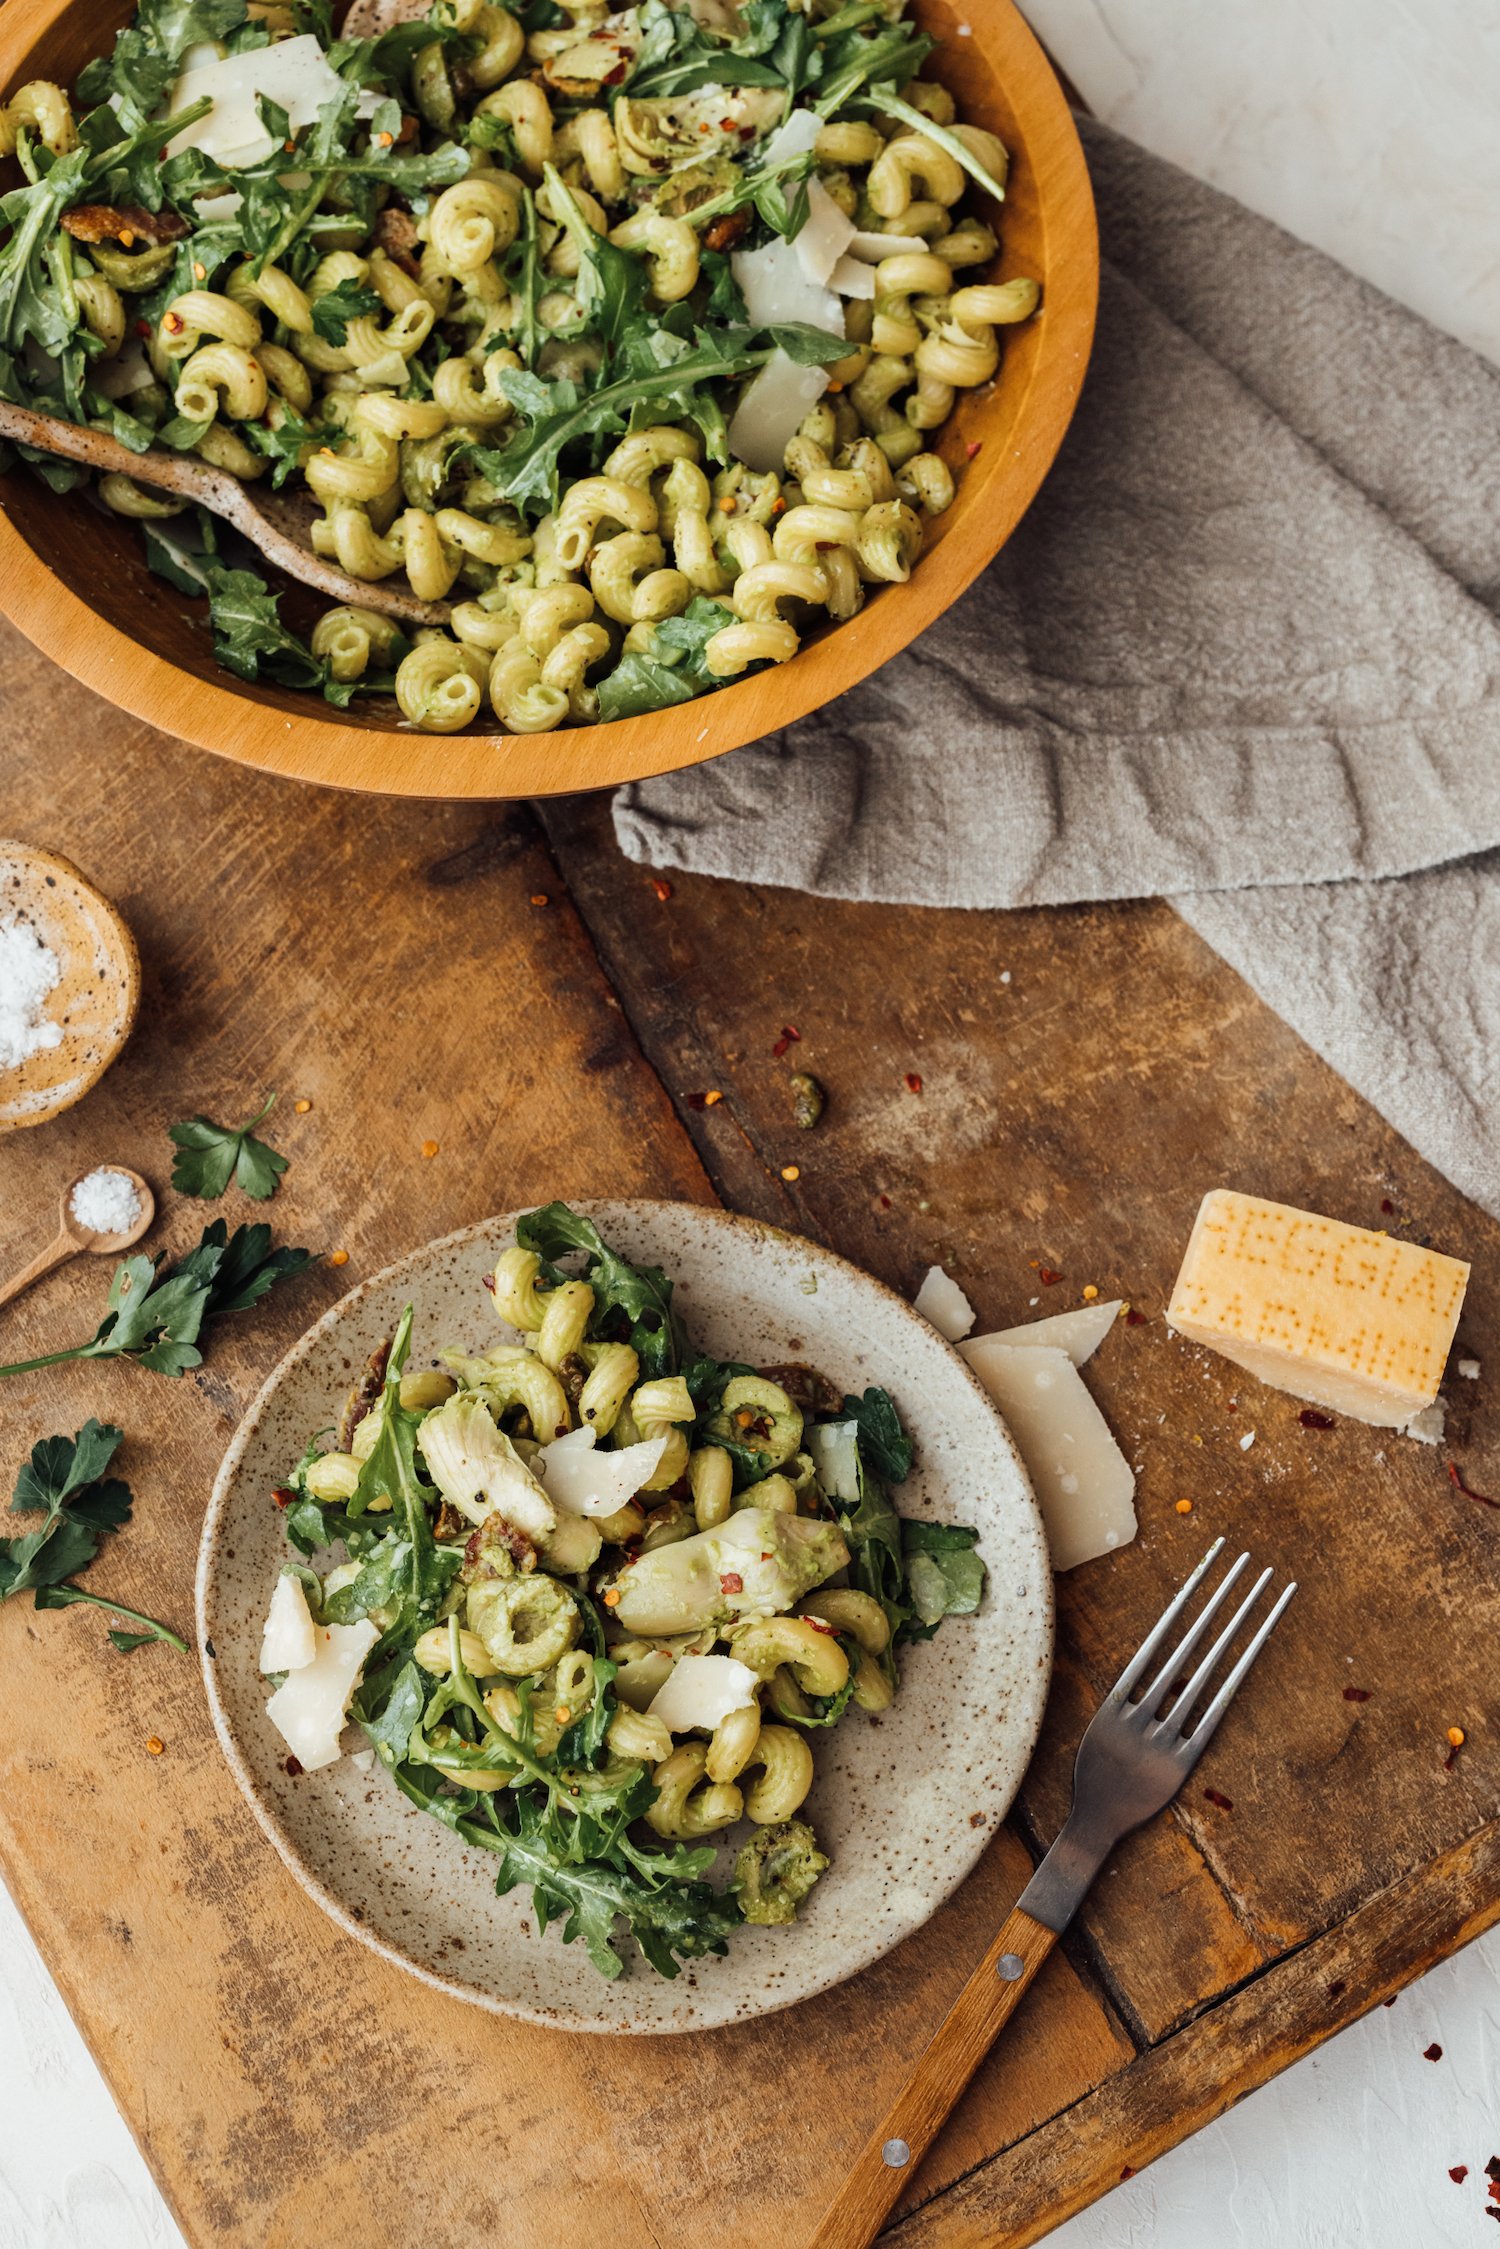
(554, 1019)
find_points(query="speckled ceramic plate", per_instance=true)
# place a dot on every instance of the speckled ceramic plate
(904, 1806)
(97, 992)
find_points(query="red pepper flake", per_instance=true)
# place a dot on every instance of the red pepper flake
(1468, 1489)
(819, 1625)
(1224, 1803)
(1458, 2172)
(293, 1768)
(1047, 1276)
(974, 448)
(1310, 1418)
(884, 1201)
(284, 1496)
(912, 1082)
(143, 328)
(731, 1582)
(1387, 1205)
(790, 1036)
(662, 887)
(1358, 1694)
(1135, 1319)
(1432, 2053)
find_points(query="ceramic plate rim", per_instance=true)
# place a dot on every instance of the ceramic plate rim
(1019, 1754)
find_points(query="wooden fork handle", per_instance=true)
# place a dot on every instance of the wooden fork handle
(885, 2164)
(55, 1254)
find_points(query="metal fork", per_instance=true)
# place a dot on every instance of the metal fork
(1132, 1760)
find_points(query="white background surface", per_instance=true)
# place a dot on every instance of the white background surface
(1370, 128)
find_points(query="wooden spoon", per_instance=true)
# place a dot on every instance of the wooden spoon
(279, 523)
(73, 1238)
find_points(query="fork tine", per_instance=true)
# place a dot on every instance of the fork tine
(1198, 1740)
(1162, 1626)
(1173, 1666)
(1175, 1718)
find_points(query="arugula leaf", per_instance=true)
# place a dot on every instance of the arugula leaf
(885, 99)
(639, 1295)
(892, 53)
(882, 1440)
(143, 67)
(212, 1154)
(944, 1576)
(251, 641)
(414, 1574)
(611, 285)
(671, 1921)
(157, 1313)
(673, 671)
(65, 1482)
(333, 311)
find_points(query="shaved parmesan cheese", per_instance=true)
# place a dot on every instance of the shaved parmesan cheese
(701, 1691)
(293, 72)
(824, 235)
(308, 1712)
(582, 1480)
(796, 137)
(772, 409)
(289, 1640)
(1079, 1332)
(1083, 1482)
(878, 246)
(851, 277)
(642, 1678)
(941, 1300)
(777, 289)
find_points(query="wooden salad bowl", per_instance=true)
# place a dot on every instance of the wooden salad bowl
(75, 580)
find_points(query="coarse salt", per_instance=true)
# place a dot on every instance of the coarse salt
(29, 970)
(106, 1202)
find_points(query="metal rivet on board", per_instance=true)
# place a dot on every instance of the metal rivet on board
(895, 2153)
(1011, 1966)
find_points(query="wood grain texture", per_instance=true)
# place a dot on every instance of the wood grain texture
(76, 582)
(872, 2185)
(417, 975)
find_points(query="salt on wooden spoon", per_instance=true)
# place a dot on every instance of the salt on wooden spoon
(279, 523)
(75, 1236)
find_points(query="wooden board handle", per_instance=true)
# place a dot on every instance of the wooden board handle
(888, 2158)
(56, 1253)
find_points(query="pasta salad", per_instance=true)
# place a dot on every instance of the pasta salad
(626, 336)
(594, 1597)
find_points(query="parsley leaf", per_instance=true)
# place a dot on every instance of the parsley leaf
(64, 1481)
(213, 1154)
(157, 1313)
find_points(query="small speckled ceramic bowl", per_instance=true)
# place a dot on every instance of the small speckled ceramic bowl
(97, 993)
(903, 1806)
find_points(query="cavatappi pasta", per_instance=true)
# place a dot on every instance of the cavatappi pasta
(598, 1597)
(588, 331)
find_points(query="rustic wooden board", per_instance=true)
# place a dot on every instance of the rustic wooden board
(530, 1003)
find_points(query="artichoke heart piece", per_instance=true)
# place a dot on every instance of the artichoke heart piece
(757, 1563)
(478, 1470)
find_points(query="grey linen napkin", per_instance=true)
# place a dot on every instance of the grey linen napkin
(1243, 652)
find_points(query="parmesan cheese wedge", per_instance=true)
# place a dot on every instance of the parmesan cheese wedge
(289, 1641)
(851, 277)
(778, 289)
(308, 1711)
(702, 1690)
(943, 1302)
(293, 72)
(878, 246)
(824, 235)
(1079, 1332)
(1344, 1317)
(772, 409)
(582, 1480)
(1084, 1485)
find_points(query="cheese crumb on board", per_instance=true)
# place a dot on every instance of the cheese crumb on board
(1079, 1332)
(1084, 1485)
(943, 1302)
(1346, 1318)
